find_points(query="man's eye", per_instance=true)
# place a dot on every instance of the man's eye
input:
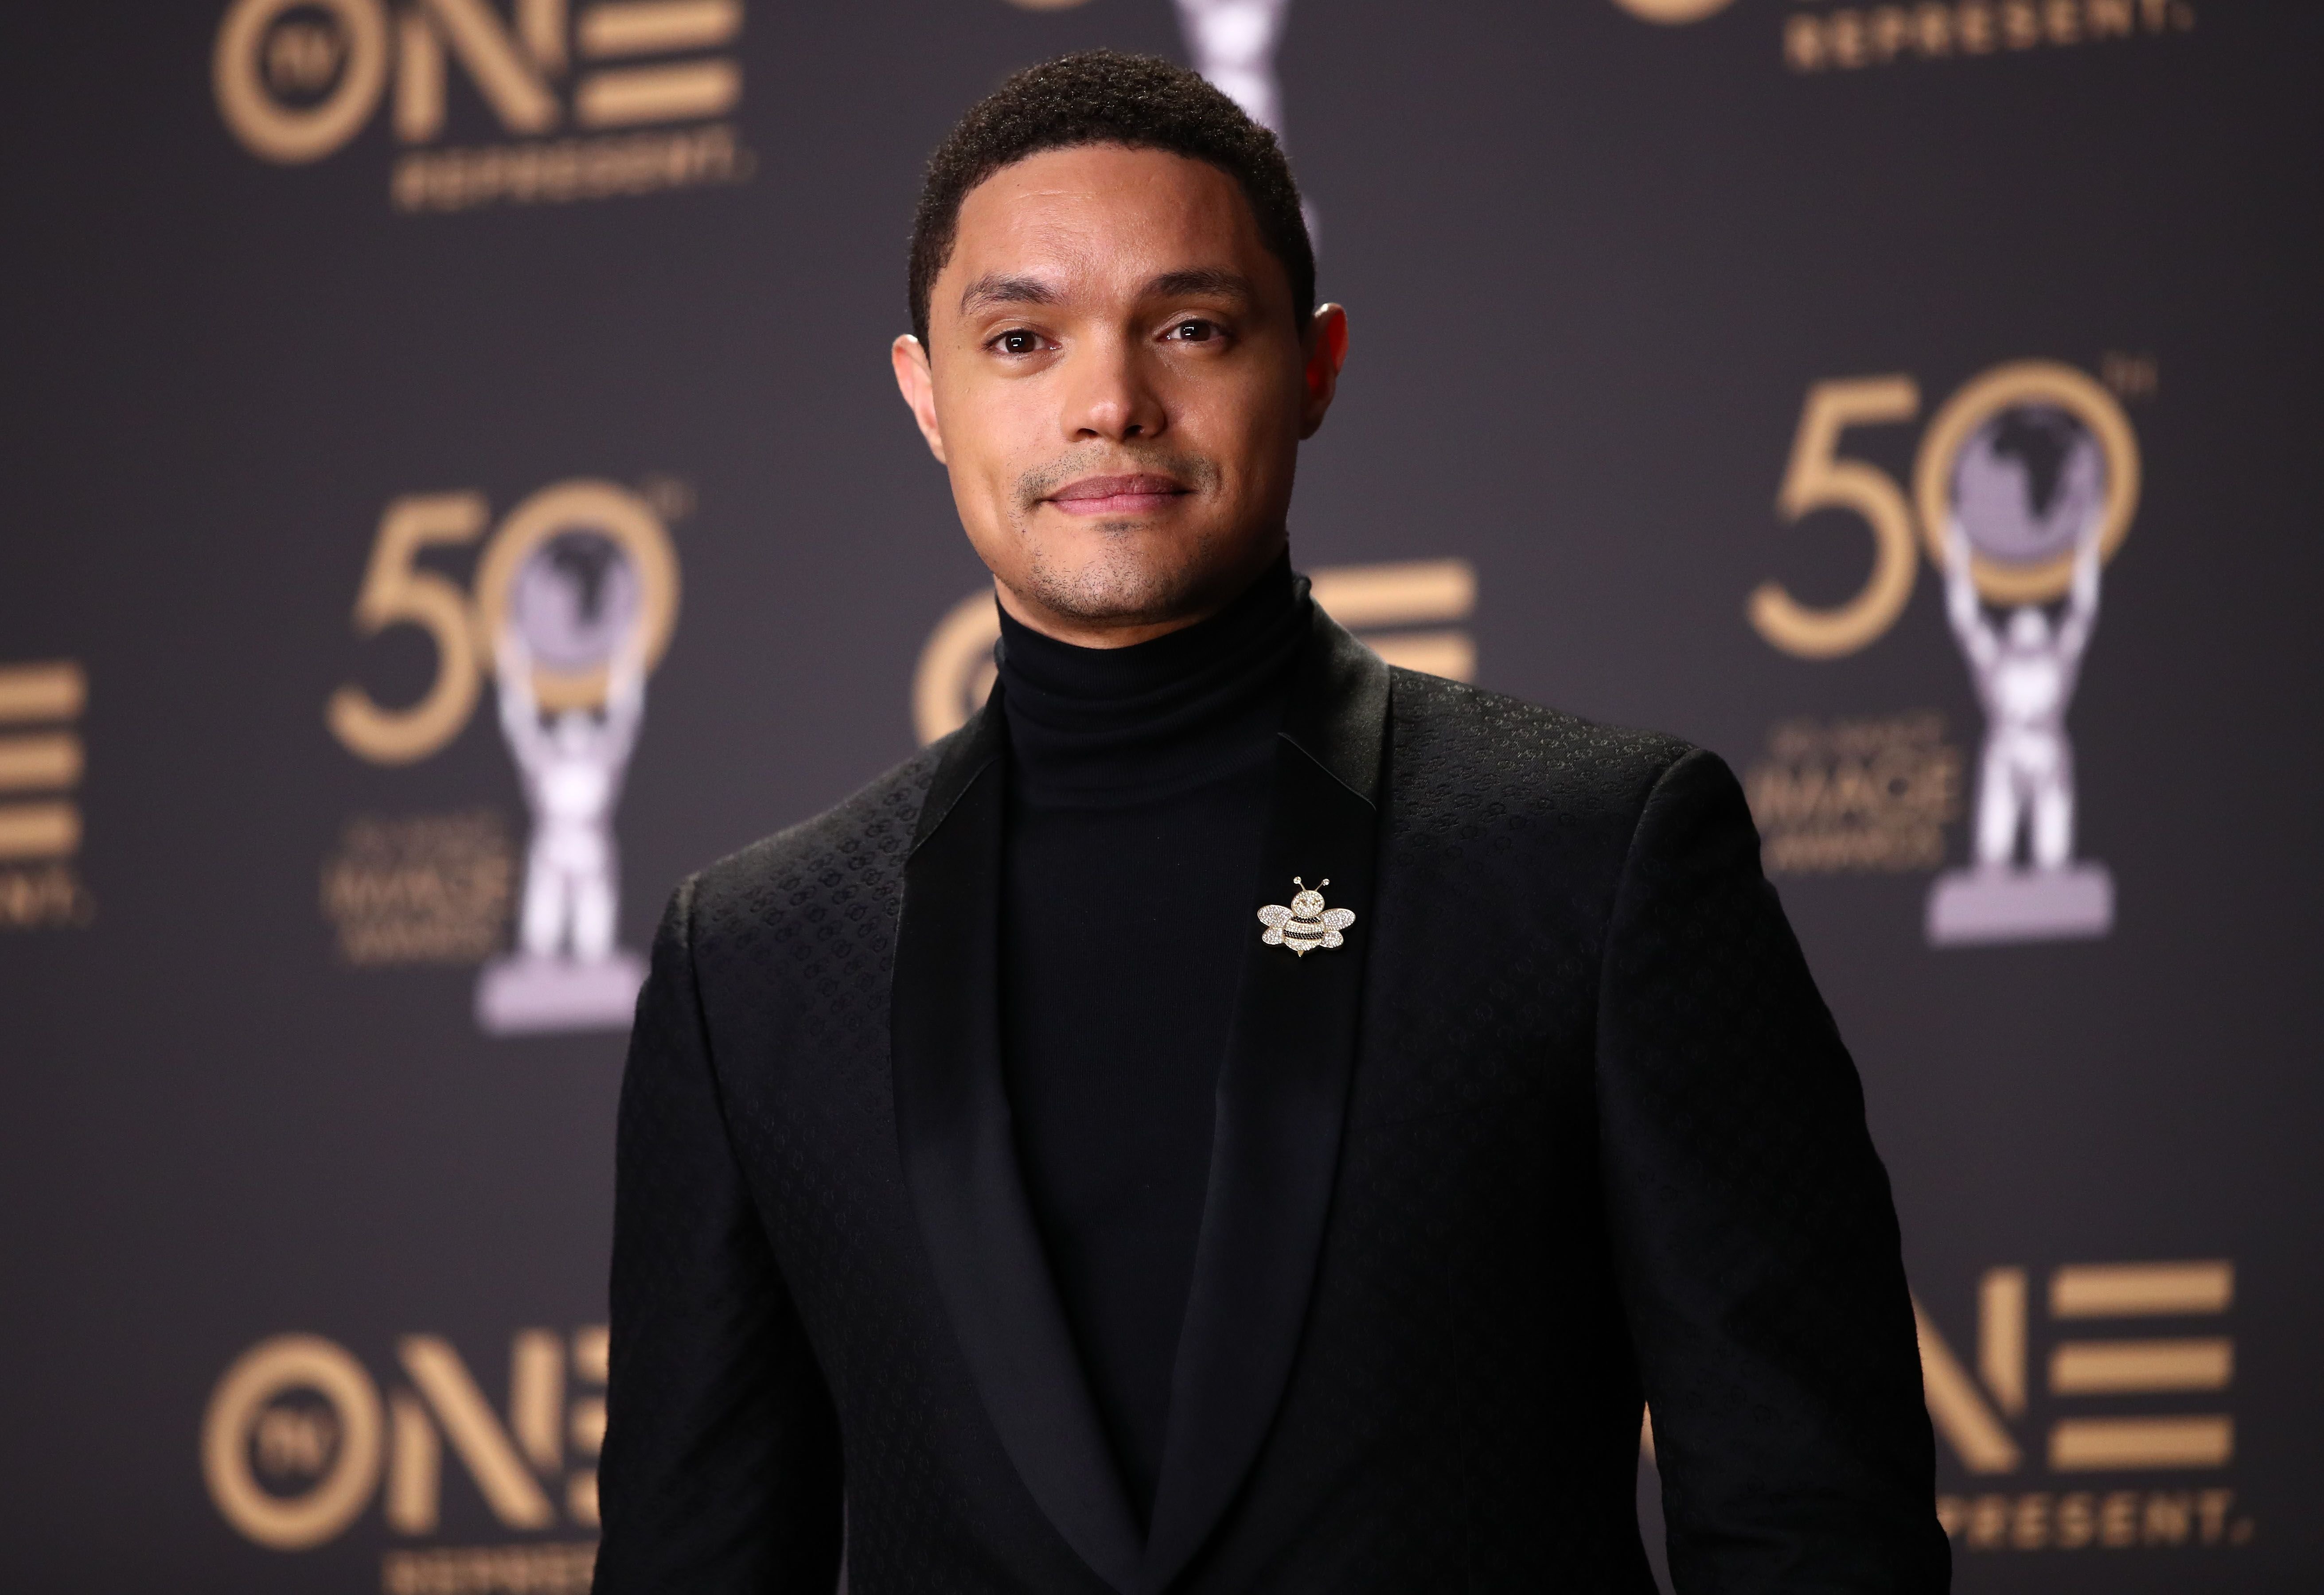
(1194, 331)
(1017, 343)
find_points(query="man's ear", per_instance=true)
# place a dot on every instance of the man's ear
(1326, 345)
(917, 385)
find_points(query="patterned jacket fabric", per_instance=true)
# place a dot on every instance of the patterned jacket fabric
(1601, 1144)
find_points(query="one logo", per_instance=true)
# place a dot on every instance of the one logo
(1670, 13)
(1820, 38)
(1402, 611)
(2026, 485)
(299, 1440)
(2102, 1367)
(576, 598)
(2028, 481)
(41, 763)
(644, 83)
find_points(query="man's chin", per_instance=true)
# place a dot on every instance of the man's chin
(1135, 575)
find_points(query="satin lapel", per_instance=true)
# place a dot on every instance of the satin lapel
(1281, 1103)
(954, 1131)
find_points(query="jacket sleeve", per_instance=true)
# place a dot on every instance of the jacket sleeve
(1752, 1230)
(721, 1468)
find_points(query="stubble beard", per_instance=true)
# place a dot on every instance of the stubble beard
(1135, 575)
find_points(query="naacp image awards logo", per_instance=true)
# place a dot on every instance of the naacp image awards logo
(2022, 491)
(572, 606)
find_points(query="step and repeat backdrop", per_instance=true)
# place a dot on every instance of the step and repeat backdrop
(453, 487)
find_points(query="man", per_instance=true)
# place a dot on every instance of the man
(1015, 1182)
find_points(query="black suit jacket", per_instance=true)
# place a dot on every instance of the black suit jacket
(1564, 1125)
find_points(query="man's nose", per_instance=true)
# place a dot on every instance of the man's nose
(1110, 394)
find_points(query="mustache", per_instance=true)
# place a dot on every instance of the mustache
(1190, 471)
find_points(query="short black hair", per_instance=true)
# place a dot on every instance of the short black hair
(1101, 96)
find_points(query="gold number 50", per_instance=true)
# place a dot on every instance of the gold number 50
(1818, 478)
(395, 590)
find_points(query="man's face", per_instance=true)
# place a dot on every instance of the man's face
(1117, 384)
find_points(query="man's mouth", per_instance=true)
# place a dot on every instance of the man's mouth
(1140, 494)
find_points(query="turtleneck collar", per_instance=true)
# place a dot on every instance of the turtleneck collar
(1106, 726)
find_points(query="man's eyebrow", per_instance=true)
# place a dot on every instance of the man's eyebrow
(1207, 283)
(994, 288)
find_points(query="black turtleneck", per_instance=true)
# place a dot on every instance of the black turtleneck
(1138, 784)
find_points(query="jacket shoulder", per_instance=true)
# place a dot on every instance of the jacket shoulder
(1461, 753)
(852, 855)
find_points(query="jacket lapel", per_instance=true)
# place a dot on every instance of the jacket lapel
(958, 1148)
(1282, 1100)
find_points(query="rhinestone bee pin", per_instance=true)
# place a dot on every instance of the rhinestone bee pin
(1307, 925)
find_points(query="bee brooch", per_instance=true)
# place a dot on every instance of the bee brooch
(1307, 925)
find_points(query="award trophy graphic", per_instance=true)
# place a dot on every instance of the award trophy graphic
(2030, 491)
(575, 607)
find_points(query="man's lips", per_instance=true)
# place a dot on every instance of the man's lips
(1117, 495)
